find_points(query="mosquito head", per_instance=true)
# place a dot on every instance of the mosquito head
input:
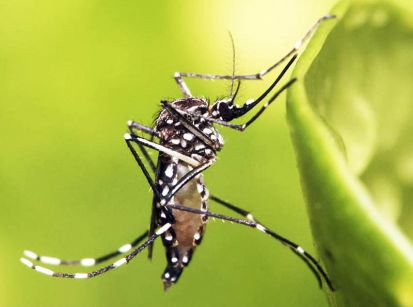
(224, 109)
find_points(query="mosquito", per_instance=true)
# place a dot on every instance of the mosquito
(187, 144)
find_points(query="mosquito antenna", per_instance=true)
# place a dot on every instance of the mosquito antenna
(233, 62)
(236, 91)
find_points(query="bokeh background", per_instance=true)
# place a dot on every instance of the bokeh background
(72, 73)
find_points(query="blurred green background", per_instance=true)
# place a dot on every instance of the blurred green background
(71, 74)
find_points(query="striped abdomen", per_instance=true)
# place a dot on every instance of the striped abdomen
(188, 229)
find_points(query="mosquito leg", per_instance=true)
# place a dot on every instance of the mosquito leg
(134, 125)
(242, 127)
(86, 261)
(103, 270)
(297, 45)
(164, 200)
(251, 218)
(239, 111)
(199, 168)
(128, 139)
(257, 76)
(145, 129)
(265, 106)
(236, 209)
(152, 226)
(157, 195)
(133, 138)
(182, 85)
(181, 182)
(250, 104)
(311, 262)
(152, 221)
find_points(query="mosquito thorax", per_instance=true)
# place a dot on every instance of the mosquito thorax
(175, 134)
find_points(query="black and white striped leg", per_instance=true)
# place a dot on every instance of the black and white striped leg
(199, 168)
(132, 126)
(147, 130)
(152, 226)
(311, 262)
(135, 139)
(257, 76)
(181, 182)
(103, 270)
(251, 218)
(86, 261)
(174, 189)
(158, 197)
(163, 199)
(129, 138)
(238, 111)
(236, 209)
(226, 204)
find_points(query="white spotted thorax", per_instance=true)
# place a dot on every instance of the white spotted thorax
(187, 231)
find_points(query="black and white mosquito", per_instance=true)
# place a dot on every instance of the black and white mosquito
(187, 145)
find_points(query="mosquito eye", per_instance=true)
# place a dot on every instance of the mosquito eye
(203, 109)
(225, 111)
(223, 107)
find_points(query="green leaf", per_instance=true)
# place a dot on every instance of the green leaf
(350, 119)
